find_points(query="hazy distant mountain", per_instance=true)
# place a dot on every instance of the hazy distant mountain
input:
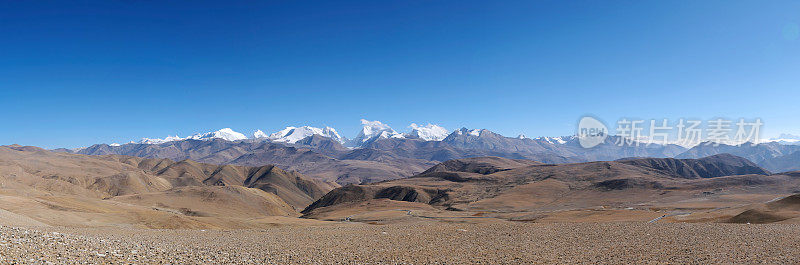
(786, 138)
(555, 149)
(755, 153)
(784, 163)
(773, 156)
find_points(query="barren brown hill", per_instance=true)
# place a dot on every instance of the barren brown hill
(782, 210)
(81, 190)
(291, 186)
(706, 167)
(528, 191)
(316, 157)
(519, 189)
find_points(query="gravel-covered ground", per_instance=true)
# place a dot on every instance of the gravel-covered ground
(421, 243)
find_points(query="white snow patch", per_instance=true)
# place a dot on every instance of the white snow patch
(475, 132)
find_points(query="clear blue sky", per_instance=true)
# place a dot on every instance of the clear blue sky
(113, 71)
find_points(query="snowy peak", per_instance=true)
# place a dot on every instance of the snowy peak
(430, 132)
(161, 141)
(259, 134)
(785, 138)
(225, 134)
(294, 134)
(552, 140)
(473, 132)
(372, 130)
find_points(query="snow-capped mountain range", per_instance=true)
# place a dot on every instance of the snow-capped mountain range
(785, 138)
(370, 131)
(373, 130)
(225, 134)
(379, 143)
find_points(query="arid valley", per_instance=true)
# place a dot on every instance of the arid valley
(73, 208)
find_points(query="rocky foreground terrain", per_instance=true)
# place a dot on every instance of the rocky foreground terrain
(413, 243)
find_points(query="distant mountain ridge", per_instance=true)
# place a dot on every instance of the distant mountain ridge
(772, 156)
(380, 153)
(378, 159)
(225, 133)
